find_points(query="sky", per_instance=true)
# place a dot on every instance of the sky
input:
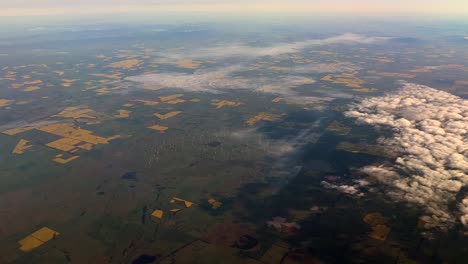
(362, 7)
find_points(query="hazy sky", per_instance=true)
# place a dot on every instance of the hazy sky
(371, 7)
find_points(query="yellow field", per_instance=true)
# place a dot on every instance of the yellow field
(76, 112)
(21, 147)
(175, 101)
(168, 115)
(32, 88)
(123, 113)
(159, 128)
(170, 97)
(5, 102)
(61, 160)
(147, 102)
(67, 130)
(277, 100)
(347, 79)
(126, 64)
(37, 238)
(14, 131)
(185, 202)
(187, 64)
(223, 103)
(214, 204)
(262, 117)
(158, 214)
(377, 222)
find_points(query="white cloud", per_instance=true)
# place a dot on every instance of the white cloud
(227, 77)
(444, 67)
(242, 50)
(281, 147)
(206, 81)
(348, 189)
(286, 48)
(464, 211)
(430, 133)
(219, 80)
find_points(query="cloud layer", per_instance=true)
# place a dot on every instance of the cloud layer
(242, 50)
(282, 82)
(430, 133)
(219, 80)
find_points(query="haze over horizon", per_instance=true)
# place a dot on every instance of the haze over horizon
(358, 7)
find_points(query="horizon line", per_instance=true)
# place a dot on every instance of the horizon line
(235, 9)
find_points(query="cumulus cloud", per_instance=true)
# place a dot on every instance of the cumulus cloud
(347, 189)
(464, 211)
(430, 133)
